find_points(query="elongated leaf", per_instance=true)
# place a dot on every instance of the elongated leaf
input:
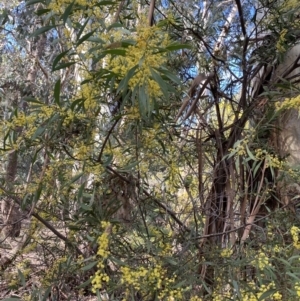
(126, 43)
(85, 37)
(143, 102)
(67, 12)
(105, 3)
(47, 293)
(114, 25)
(57, 92)
(42, 30)
(30, 2)
(267, 294)
(89, 266)
(38, 193)
(82, 29)
(293, 276)
(85, 284)
(257, 167)
(162, 84)
(33, 100)
(117, 51)
(58, 58)
(176, 46)
(77, 103)
(124, 82)
(41, 12)
(170, 75)
(250, 154)
(95, 40)
(76, 178)
(64, 65)
(39, 131)
(21, 277)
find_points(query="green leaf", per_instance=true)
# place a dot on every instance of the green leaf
(86, 207)
(11, 299)
(126, 43)
(95, 40)
(285, 262)
(47, 293)
(118, 261)
(41, 12)
(107, 159)
(267, 294)
(129, 167)
(33, 2)
(33, 100)
(236, 287)
(143, 102)
(85, 284)
(257, 167)
(250, 154)
(176, 46)
(63, 65)
(77, 103)
(116, 51)
(39, 131)
(58, 58)
(162, 84)
(105, 3)
(114, 25)
(82, 28)
(124, 82)
(293, 276)
(67, 12)
(75, 178)
(38, 193)
(89, 266)
(57, 92)
(42, 30)
(170, 75)
(85, 37)
(21, 277)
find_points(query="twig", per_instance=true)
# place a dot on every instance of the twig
(151, 12)
(118, 11)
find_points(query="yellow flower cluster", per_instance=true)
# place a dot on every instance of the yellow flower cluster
(290, 4)
(151, 279)
(195, 298)
(295, 236)
(264, 288)
(261, 260)
(133, 277)
(240, 147)
(281, 41)
(89, 94)
(144, 54)
(256, 294)
(226, 253)
(100, 276)
(82, 151)
(271, 160)
(59, 6)
(297, 288)
(289, 103)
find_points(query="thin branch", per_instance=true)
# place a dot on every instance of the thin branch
(240, 11)
(106, 139)
(151, 12)
(118, 11)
